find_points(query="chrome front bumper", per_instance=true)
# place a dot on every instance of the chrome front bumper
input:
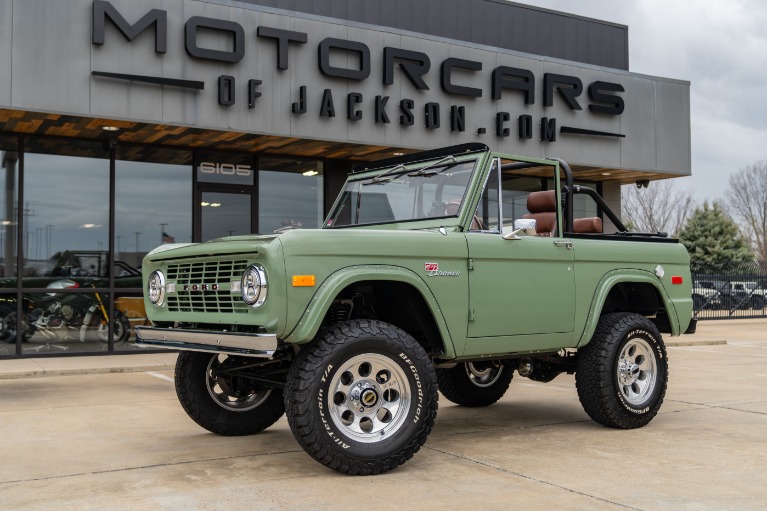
(249, 345)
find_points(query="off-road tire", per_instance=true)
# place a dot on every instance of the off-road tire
(606, 398)
(465, 385)
(757, 302)
(193, 380)
(323, 410)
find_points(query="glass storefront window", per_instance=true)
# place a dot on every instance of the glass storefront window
(290, 194)
(130, 312)
(225, 214)
(153, 206)
(67, 323)
(9, 177)
(65, 212)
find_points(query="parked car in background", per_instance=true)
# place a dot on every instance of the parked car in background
(749, 293)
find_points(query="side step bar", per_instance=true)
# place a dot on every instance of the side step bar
(249, 345)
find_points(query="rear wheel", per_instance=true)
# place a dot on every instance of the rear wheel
(475, 383)
(221, 402)
(622, 374)
(362, 397)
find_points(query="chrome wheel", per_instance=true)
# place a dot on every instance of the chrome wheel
(483, 374)
(637, 371)
(231, 392)
(369, 397)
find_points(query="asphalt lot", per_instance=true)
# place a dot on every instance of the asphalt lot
(122, 442)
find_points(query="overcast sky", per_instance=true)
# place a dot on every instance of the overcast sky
(720, 46)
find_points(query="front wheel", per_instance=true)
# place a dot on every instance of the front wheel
(475, 384)
(220, 401)
(622, 374)
(362, 397)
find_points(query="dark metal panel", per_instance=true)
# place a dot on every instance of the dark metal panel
(404, 13)
(462, 13)
(420, 16)
(506, 29)
(372, 11)
(388, 14)
(322, 7)
(340, 9)
(434, 26)
(450, 22)
(492, 22)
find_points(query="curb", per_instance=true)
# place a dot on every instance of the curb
(683, 344)
(80, 371)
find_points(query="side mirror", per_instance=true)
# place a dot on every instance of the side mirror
(524, 226)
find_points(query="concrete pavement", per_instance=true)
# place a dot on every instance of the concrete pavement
(123, 442)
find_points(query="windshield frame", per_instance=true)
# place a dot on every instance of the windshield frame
(365, 177)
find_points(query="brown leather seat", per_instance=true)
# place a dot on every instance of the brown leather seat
(590, 225)
(542, 207)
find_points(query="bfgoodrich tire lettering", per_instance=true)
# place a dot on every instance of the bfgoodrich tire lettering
(362, 397)
(622, 374)
(222, 404)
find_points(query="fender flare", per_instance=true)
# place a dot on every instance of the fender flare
(309, 324)
(607, 282)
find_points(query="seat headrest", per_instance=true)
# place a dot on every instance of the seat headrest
(587, 225)
(542, 202)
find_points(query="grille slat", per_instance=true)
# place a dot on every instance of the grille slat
(221, 273)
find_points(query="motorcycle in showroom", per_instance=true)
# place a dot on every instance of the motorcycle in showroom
(56, 317)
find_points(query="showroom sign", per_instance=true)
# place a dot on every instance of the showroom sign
(602, 98)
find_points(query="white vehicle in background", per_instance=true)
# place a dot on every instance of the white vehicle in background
(750, 293)
(707, 294)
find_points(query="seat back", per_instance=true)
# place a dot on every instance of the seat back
(542, 207)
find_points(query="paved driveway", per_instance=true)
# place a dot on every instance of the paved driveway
(122, 442)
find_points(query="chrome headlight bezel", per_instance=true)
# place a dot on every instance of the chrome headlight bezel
(155, 288)
(253, 286)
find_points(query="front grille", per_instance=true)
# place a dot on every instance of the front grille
(206, 273)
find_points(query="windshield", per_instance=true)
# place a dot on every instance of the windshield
(398, 194)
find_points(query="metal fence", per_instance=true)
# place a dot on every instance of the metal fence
(729, 290)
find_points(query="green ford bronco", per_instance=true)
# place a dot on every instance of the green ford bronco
(443, 271)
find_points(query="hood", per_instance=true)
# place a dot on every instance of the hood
(230, 245)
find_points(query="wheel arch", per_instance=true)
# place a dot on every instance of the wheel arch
(398, 278)
(628, 291)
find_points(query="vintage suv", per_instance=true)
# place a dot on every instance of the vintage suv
(445, 270)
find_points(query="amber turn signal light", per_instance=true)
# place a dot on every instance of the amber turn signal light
(304, 280)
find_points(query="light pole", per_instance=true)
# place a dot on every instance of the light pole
(162, 233)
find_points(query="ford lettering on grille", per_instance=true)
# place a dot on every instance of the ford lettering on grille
(200, 287)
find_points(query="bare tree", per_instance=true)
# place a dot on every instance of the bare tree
(662, 206)
(747, 201)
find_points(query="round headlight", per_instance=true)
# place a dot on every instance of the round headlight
(253, 286)
(155, 288)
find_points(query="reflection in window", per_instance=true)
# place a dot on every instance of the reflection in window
(289, 195)
(69, 322)
(152, 207)
(66, 213)
(225, 214)
(9, 159)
